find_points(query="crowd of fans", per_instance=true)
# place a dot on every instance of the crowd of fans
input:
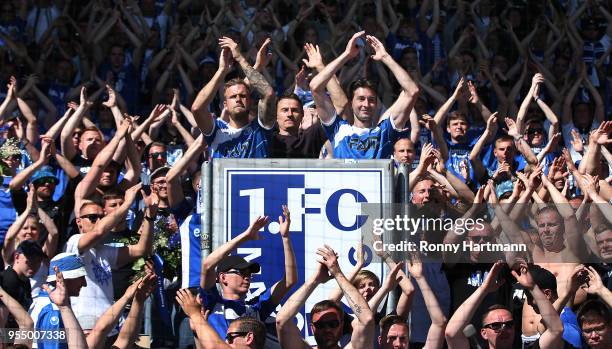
(499, 109)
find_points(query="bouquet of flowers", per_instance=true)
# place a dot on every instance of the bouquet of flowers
(166, 244)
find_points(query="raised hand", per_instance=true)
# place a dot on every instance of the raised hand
(188, 303)
(315, 60)
(428, 122)
(504, 167)
(58, 295)
(594, 284)
(600, 136)
(329, 258)
(379, 49)
(492, 283)
(474, 98)
(176, 100)
(459, 87)
(285, 222)
(12, 88)
(300, 80)
(392, 279)
(263, 56)
(512, 130)
(491, 121)
(524, 278)
(415, 266)
(225, 60)
(151, 202)
(578, 277)
(590, 184)
(31, 199)
(577, 141)
(231, 45)
(321, 275)
(147, 286)
(255, 227)
(112, 98)
(130, 194)
(352, 49)
(479, 197)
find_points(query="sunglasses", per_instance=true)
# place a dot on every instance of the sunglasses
(230, 336)
(92, 217)
(44, 181)
(535, 130)
(321, 325)
(157, 155)
(16, 157)
(481, 239)
(498, 326)
(243, 273)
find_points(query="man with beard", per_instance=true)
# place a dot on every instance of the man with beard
(327, 317)
(104, 171)
(240, 138)
(291, 141)
(364, 139)
(497, 323)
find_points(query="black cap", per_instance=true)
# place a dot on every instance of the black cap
(30, 249)
(237, 262)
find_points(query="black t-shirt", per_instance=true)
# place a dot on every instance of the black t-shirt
(16, 287)
(465, 278)
(122, 276)
(59, 211)
(305, 145)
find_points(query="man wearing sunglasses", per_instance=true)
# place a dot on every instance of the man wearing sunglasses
(327, 317)
(99, 258)
(498, 323)
(243, 332)
(234, 275)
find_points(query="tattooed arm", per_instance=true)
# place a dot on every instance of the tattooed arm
(266, 108)
(363, 325)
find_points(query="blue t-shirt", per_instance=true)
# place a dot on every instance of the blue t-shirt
(224, 311)
(47, 317)
(460, 152)
(189, 222)
(571, 330)
(127, 83)
(8, 213)
(250, 141)
(350, 142)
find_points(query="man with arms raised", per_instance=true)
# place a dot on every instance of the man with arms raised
(364, 139)
(497, 322)
(244, 332)
(327, 316)
(240, 138)
(234, 275)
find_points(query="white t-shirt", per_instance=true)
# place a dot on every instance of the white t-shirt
(97, 296)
